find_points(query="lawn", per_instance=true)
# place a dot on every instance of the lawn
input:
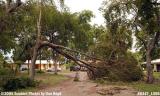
(46, 80)
(156, 75)
(142, 86)
(50, 79)
(139, 85)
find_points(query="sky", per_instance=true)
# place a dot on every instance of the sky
(92, 5)
(80, 5)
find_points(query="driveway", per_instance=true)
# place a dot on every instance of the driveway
(86, 87)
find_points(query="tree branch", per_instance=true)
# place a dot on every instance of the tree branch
(143, 42)
(91, 68)
(157, 34)
(10, 8)
(44, 43)
(73, 58)
(155, 3)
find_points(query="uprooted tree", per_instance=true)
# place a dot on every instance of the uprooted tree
(83, 22)
(109, 67)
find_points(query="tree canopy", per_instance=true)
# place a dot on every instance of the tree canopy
(26, 27)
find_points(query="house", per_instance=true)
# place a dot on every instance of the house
(155, 63)
(40, 64)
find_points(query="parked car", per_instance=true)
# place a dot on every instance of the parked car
(23, 68)
(53, 69)
(75, 68)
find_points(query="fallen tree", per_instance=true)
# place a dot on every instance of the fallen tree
(58, 48)
(123, 69)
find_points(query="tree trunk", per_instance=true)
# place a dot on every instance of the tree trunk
(36, 47)
(28, 66)
(55, 67)
(55, 57)
(150, 78)
(33, 60)
(40, 60)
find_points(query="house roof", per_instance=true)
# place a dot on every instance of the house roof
(42, 62)
(156, 61)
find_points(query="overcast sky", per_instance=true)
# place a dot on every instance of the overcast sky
(93, 5)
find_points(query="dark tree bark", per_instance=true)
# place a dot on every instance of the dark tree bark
(55, 57)
(33, 60)
(36, 47)
(11, 8)
(150, 47)
(40, 60)
(150, 78)
(28, 66)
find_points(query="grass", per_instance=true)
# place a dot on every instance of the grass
(156, 75)
(142, 86)
(46, 80)
(139, 85)
(29, 89)
(50, 79)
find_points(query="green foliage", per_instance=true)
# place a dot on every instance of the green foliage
(139, 85)
(148, 26)
(142, 86)
(68, 65)
(139, 17)
(6, 71)
(59, 27)
(85, 17)
(114, 43)
(19, 83)
(67, 29)
(124, 69)
(40, 71)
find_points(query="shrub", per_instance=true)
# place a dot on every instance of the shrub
(6, 71)
(11, 85)
(19, 83)
(100, 80)
(68, 65)
(5, 75)
(31, 83)
(40, 71)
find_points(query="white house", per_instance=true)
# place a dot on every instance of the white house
(44, 64)
(156, 65)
